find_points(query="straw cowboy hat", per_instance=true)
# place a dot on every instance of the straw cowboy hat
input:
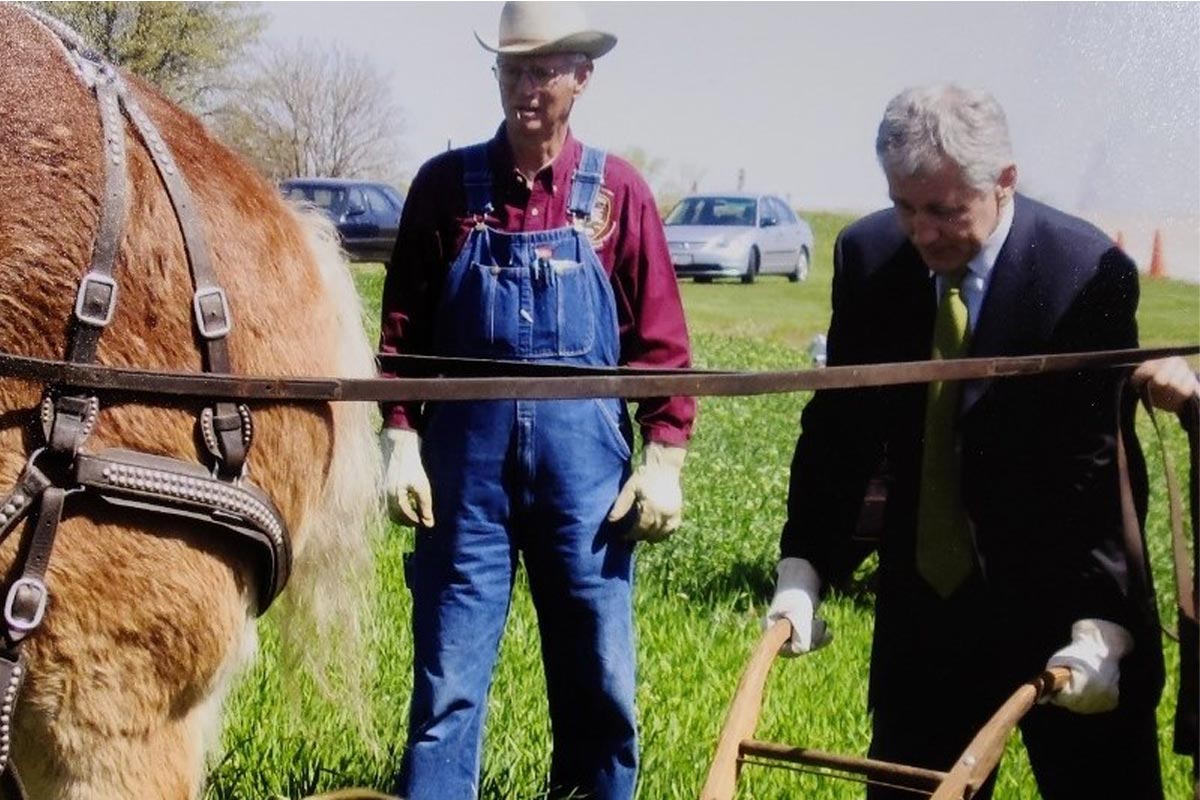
(539, 28)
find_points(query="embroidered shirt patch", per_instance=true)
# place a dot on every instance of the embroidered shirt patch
(600, 225)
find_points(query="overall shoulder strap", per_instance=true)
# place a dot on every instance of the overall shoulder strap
(477, 178)
(585, 184)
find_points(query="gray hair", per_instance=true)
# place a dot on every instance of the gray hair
(925, 126)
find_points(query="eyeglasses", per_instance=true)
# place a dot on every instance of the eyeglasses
(539, 75)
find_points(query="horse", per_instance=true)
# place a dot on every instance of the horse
(151, 616)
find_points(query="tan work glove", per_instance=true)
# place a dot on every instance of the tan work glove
(797, 595)
(409, 499)
(654, 486)
(1093, 656)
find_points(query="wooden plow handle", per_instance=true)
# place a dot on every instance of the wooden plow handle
(742, 718)
(736, 740)
(962, 781)
(983, 753)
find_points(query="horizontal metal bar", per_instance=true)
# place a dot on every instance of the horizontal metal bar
(914, 777)
(572, 383)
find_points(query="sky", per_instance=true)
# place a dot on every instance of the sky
(1103, 99)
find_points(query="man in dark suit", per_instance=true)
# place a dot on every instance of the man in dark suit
(1003, 548)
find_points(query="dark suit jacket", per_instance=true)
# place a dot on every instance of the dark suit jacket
(1038, 454)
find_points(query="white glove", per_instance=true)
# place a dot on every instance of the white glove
(1172, 382)
(1093, 656)
(409, 499)
(797, 595)
(654, 486)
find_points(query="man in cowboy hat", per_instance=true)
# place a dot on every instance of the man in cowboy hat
(531, 246)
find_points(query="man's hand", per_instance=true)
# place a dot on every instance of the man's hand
(409, 499)
(654, 487)
(1170, 380)
(797, 595)
(1093, 656)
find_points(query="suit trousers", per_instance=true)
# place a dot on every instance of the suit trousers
(961, 660)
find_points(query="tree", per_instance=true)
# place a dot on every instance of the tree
(648, 166)
(315, 111)
(185, 49)
(667, 190)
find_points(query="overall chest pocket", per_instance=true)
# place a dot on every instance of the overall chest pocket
(480, 317)
(563, 308)
(545, 311)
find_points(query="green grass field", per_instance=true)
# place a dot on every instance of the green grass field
(700, 598)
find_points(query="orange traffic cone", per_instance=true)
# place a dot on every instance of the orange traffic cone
(1157, 268)
(1120, 241)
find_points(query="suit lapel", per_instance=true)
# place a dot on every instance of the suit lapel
(1000, 325)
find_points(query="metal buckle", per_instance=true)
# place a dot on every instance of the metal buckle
(96, 309)
(218, 326)
(18, 624)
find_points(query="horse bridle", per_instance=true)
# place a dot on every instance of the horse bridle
(220, 495)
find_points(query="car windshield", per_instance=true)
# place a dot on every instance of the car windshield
(331, 199)
(713, 211)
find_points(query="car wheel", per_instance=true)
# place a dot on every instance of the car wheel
(704, 279)
(751, 266)
(800, 273)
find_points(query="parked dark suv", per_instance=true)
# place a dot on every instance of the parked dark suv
(367, 215)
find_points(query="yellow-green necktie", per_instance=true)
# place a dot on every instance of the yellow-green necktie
(944, 557)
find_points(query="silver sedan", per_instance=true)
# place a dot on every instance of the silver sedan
(738, 236)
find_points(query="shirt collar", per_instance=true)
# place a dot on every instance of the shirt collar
(985, 259)
(981, 265)
(558, 174)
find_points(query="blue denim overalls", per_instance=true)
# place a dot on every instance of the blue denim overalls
(536, 477)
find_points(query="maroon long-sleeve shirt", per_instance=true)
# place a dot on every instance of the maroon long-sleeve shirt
(625, 231)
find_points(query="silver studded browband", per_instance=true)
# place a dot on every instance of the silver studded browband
(184, 489)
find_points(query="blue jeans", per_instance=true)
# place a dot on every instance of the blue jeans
(531, 478)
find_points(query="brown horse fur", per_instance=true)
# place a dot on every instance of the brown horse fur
(151, 617)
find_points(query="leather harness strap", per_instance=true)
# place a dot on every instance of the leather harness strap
(1185, 580)
(226, 427)
(1184, 570)
(20, 499)
(97, 297)
(25, 604)
(24, 608)
(532, 381)
(1132, 529)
